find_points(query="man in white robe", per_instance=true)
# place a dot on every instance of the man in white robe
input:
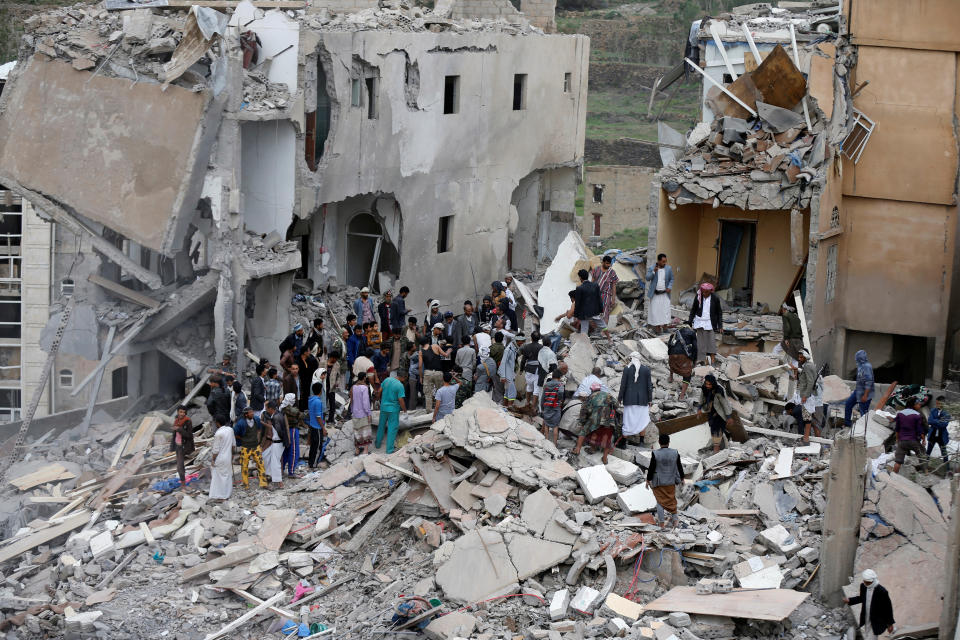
(221, 471)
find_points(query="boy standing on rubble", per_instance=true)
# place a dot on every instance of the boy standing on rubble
(663, 475)
(248, 430)
(445, 398)
(182, 442)
(551, 405)
(360, 410)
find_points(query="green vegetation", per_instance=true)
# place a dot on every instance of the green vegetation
(626, 239)
(578, 203)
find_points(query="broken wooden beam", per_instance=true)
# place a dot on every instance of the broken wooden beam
(43, 536)
(376, 519)
(123, 292)
(763, 373)
(247, 616)
(785, 434)
(223, 562)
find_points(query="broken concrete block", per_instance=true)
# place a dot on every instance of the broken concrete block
(82, 622)
(809, 554)
(617, 627)
(623, 471)
(653, 348)
(452, 625)
(494, 503)
(532, 556)
(538, 510)
(616, 605)
(585, 599)
(636, 499)
(679, 619)
(778, 539)
(779, 119)
(101, 544)
(559, 604)
(596, 483)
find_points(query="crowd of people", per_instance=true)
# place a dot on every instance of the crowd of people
(386, 361)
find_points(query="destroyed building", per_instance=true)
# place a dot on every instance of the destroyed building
(206, 160)
(826, 161)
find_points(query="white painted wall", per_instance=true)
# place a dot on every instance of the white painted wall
(268, 157)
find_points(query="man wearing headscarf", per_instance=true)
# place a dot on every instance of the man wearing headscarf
(508, 368)
(606, 279)
(293, 342)
(273, 441)
(807, 390)
(660, 284)
(598, 415)
(862, 395)
(876, 614)
(363, 307)
(636, 392)
(715, 405)
(486, 309)
(434, 315)
(706, 318)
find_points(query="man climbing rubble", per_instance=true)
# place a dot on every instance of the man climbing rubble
(597, 422)
(706, 318)
(807, 391)
(716, 406)
(663, 475)
(910, 429)
(862, 395)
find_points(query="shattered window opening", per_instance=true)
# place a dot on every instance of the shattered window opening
(444, 241)
(519, 91)
(831, 285)
(355, 92)
(835, 218)
(372, 98)
(596, 224)
(9, 405)
(118, 383)
(322, 122)
(9, 363)
(66, 378)
(451, 94)
(66, 287)
(10, 318)
(566, 81)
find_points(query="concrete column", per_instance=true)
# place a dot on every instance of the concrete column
(940, 346)
(951, 589)
(841, 524)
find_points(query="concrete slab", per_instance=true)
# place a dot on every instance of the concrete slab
(585, 599)
(532, 556)
(637, 499)
(654, 349)
(557, 280)
(623, 471)
(779, 540)
(690, 441)
(538, 509)
(596, 483)
(472, 572)
(559, 604)
(148, 145)
(451, 625)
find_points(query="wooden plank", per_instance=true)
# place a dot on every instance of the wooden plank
(249, 597)
(247, 616)
(143, 437)
(67, 509)
(779, 80)
(48, 499)
(123, 292)
(46, 535)
(785, 434)
(803, 321)
(118, 480)
(759, 604)
(730, 513)
(674, 425)
(376, 519)
(276, 525)
(402, 471)
(147, 534)
(763, 373)
(223, 562)
(123, 445)
(437, 475)
(49, 473)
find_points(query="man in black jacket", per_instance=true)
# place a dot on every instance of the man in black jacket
(876, 614)
(218, 401)
(587, 304)
(258, 392)
(636, 393)
(706, 318)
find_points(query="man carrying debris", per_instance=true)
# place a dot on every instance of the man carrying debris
(663, 475)
(584, 389)
(910, 429)
(807, 390)
(660, 277)
(363, 307)
(876, 614)
(221, 471)
(792, 331)
(249, 431)
(938, 420)
(862, 395)
(636, 393)
(181, 442)
(598, 422)
(273, 441)
(551, 405)
(706, 318)
(715, 405)
(391, 404)
(508, 368)
(606, 279)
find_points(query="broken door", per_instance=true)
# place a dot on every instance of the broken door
(736, 258)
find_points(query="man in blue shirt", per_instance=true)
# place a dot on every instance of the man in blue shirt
(863, 394)
(392, 393)
(315, 420)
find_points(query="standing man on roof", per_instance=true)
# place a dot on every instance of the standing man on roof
(606, 279)
(363, 307)
(706, 318)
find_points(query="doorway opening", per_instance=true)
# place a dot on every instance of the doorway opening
(736, 259)
(372, 258)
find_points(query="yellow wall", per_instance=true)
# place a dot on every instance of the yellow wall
(918, 24)
(688, 235)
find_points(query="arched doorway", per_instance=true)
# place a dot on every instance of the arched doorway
(364, 247)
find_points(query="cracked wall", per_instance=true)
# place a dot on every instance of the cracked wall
(465, 164)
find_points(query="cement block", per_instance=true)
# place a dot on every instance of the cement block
(585, 599)
(637, 499)
(559, 604)
(679, 619)
(617, 627)
(596, 483)
(101, 544)
(616, 605)
(654, 349)
(623, 471)
(452, 625)
(780, 540)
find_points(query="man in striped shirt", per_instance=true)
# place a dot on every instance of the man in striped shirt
(272, 387)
